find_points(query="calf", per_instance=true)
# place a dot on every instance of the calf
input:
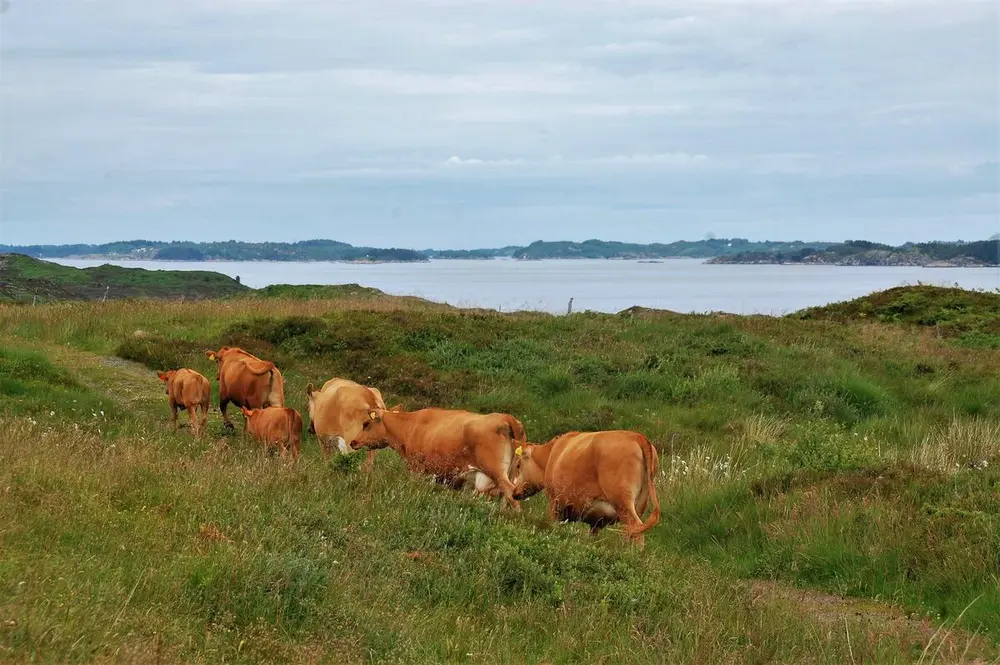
(598, 478)
(188, 390)
(451, 445)
(277, 426)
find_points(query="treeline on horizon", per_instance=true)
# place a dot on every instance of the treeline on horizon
(982, 252)
(736, 249)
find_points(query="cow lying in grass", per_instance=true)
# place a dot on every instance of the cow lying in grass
(277, 426)
(188, 391)
(598, 478)
(450, 445)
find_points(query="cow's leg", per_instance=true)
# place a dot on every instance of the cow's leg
(369, 460)
(496, 469)
(223, 405)
(173, 414)
(192, 410)
(631, 520)
(204, 419)
(553, 510)
(325, 447)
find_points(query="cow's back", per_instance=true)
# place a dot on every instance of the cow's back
(189, 387)
(589, 465)
(453, 436)
(274, 423)
(241, 385)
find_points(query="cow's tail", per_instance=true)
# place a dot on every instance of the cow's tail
(275, 388)
(515, 429)
(651, 460)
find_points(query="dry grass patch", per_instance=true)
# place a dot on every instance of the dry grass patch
(963, 443)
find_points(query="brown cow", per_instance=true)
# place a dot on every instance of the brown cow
(337, 412)
(594, 477)
(188, 390)
(275, 426)
(450, 445)
(246, 380)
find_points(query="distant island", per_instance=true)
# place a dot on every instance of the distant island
(232, 250)
(981, 253)
(332, 250)
(716, 250)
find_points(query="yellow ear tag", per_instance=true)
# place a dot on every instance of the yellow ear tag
(519, 451)
(373, 415)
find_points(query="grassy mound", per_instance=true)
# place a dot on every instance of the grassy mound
(972, 317)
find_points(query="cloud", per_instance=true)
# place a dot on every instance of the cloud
(764, 109)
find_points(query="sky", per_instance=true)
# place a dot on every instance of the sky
(480, 123)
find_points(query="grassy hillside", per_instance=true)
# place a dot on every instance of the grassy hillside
(830, 492)
(25, 279)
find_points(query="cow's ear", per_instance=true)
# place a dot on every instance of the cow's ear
(210, 355)
(163, 376)
(398, 408)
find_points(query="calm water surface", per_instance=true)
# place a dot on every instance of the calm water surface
(682, 285)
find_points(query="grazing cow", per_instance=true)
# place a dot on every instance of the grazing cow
(188, 390)
(246, 380)
(594, 477)
(338, 410)
(450, 445)
(275, 426)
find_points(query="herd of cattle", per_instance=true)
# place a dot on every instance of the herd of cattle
(599, 478)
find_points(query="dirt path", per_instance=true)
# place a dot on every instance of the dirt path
(131, 385)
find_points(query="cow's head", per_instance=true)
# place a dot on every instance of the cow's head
(249, 414)
(373, 434)
(530, 478)
(166, 376)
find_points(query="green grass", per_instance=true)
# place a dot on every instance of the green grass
(832, 457)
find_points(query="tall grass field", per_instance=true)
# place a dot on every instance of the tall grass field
(830, 484)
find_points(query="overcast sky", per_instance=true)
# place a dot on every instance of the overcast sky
(467, 123)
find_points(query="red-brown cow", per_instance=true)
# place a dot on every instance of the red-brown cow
(451, 445)
(246, 380)
(277, 426)
(594, 477)
(188, 391)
